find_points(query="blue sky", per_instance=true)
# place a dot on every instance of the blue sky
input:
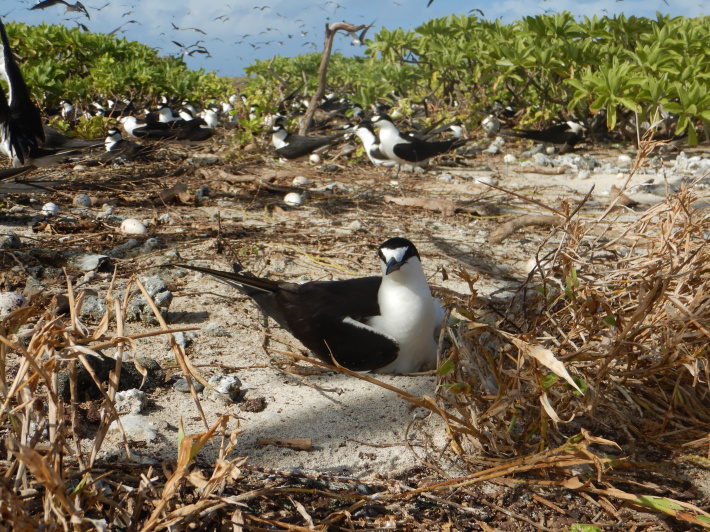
(293, 27)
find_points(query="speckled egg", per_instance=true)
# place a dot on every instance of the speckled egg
(82, 200)
(131, 226)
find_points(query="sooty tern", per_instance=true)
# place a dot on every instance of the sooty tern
(385, 324)
(117, 148)
(491, 125)
(291, 146)
(405, 148)
(78, 7)
(568, 134)
(366, 133)
(20, 120)
(359, 40)
(196, 129)
(23, 138)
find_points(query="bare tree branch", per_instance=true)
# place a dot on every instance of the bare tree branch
(330, 31)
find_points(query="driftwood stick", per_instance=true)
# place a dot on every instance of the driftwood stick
(538, 169)
(502, 232)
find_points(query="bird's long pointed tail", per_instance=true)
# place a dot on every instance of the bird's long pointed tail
(237, 280)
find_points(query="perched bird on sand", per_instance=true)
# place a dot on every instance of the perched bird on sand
(386, 324)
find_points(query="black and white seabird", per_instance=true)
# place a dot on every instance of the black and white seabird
(119, 149)
(568, 134)
(491, 125)
(211, 118)
(291, 146)
(359, 40)
(384, 324)
(70, 113)
(405, 148)
(78, 7)
(196, 129)
(20, 120)
(23, 138)
(366, 133)
(146, 129)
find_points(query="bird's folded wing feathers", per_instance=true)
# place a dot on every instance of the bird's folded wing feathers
(359, 347)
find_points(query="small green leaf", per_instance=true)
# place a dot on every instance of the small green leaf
(585, 528)
(659, 503)
(460, 387)
(446, 367)
(548, 381)
(581, 383)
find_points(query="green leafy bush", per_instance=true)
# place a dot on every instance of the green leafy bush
(60, 62)
(549, 65)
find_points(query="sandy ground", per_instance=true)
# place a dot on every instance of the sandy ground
(357, 428)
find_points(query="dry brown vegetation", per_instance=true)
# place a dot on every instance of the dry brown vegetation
(603, 347)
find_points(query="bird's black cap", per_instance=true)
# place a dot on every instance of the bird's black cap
(397, 243)
(381, 116)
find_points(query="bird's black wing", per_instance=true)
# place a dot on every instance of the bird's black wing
(330, 322)
(150, 132)
(558, 134)
(48, 3)
(299, 146)
(194, 130)
(358, 347)
(80, 7)
(418, 150)
(326, 316)
(237, 280)
(8, 173)
(47, 157)
(376, 153)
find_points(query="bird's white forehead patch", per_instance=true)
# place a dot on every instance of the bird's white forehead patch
(396, 254)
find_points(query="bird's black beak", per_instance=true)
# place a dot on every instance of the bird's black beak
(393, 265)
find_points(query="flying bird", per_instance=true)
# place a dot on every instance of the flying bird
(114, 32)
(198, 30)
(385, 324)
(78, 7)
(360, 39)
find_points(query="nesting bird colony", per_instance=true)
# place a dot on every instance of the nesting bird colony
(293, 311)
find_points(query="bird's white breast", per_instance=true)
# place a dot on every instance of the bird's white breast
(410, 315)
